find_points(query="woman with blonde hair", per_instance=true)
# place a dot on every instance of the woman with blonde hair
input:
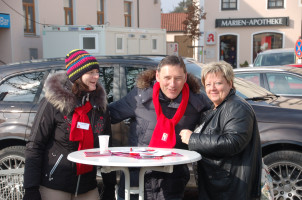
(227, 139)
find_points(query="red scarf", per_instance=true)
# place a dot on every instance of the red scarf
(81, 131)
(164, 132)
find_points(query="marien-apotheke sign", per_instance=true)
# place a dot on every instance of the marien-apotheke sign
(237, 22)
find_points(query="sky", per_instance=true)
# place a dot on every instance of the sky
(169, 5)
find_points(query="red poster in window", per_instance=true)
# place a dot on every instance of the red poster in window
(266, 43)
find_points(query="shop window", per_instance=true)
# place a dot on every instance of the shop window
(127, 13)
(228, 49)
(100, 12)
(265, 41)
(29, 16)
(228, 4)
(275, 4)
(68, 12)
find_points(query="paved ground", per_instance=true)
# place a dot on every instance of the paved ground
(190, 193)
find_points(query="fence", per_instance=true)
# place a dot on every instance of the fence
(11, 184)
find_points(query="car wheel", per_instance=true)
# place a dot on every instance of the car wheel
(12, 157)
(285, 168)
(12, 161)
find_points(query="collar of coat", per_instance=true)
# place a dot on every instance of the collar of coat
(58, 93)
(146, 80)
(231, 93)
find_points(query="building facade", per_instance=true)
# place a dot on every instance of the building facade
(249, 27)
(22, 21)
(178, 43)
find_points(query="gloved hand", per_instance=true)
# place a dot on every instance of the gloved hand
(32, 193)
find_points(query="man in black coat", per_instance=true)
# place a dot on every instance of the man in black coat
(174, 93)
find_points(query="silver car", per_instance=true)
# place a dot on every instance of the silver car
(280, 80)
(274, 57)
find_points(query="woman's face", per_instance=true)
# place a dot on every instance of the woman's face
(217, 87)
(90, 79)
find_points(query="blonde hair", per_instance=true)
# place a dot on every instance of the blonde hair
(214, 67)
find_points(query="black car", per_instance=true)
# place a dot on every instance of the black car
(279, 118)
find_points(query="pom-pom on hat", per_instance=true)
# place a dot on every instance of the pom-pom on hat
(78, 62)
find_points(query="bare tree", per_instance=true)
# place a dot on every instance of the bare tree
(195, 14)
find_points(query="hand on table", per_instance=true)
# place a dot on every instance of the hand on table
(185, 135)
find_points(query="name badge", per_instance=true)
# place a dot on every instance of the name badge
(82, 125)
(164, 137)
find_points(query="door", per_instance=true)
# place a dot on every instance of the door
(228, 49)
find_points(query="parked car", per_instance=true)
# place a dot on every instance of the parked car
(273, 57)
(21, 89)
(281, 80)
(295, 65)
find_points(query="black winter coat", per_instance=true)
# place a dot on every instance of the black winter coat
(48, 145)
(229, 143)
(138, 105)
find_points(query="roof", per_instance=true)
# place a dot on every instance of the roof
(18, 67)
(280, 68)
(172, 22)
(281, 50)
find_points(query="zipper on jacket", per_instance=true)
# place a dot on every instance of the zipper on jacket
(54, 167)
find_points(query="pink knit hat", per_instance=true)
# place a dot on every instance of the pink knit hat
(78, 62)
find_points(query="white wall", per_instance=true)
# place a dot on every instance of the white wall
(15, 45)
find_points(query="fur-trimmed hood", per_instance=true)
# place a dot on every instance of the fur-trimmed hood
(58, 93)
(146, 78)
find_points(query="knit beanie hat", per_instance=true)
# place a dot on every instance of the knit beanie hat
(78, 62)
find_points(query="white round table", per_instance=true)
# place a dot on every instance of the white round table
(114, 163)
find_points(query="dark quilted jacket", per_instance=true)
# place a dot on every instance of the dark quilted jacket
(138, 106)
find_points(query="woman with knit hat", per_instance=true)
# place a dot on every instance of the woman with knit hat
(70, 118)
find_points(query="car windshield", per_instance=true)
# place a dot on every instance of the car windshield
(270, 59)
(249, 90)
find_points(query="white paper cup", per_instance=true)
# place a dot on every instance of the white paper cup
(104, 142)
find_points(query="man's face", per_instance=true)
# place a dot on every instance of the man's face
(171, 80)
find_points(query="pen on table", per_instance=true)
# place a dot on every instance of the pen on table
(152, 157)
